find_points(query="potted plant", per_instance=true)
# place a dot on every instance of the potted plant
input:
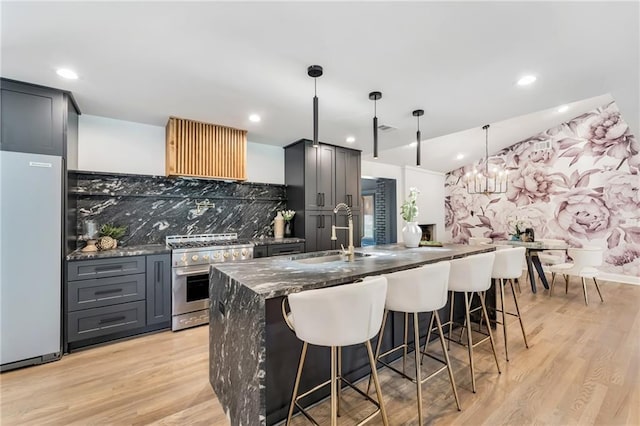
(109, 236)
(288, 215)
(411, 233)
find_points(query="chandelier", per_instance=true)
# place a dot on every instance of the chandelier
(487, 181)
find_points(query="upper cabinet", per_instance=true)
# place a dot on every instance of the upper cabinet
(317, 179)
(200, 149)
(38, 119)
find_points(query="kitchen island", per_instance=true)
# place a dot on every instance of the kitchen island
(253, 355)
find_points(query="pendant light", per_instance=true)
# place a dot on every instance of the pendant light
(315, 71)
(491, 181)
(418, 113)
(374, 96)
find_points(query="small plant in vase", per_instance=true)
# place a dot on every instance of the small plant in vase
(288, 215)
(411, 233)
(109, 236)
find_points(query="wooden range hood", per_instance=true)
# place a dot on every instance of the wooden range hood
(198, 149)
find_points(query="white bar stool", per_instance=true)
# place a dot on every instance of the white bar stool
(585, 263)
(415, 291)
(334, 317)
(469, 275)
(508, 266)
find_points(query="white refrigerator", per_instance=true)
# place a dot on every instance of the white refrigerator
(31, 247)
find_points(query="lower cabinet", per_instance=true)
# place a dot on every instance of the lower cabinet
(104, 304)
(158, 289)
(277, 249)
(318, 231)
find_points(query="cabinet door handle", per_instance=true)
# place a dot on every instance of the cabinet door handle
(318, 222)
(318, 199)
(322, 221)
(322, 201)
(111, 291)
(112, 319)
(349, 200)
(158, 271)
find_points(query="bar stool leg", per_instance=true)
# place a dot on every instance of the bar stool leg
(553, 280)
(584, 288)
(598, 288)
(469, 342)
(515, 299)
(406, 337)
(566, 284)
(303, 355)
(446, 357)
(416, 336)
(493, 345)
(339, 388)
(426, 343)
(378, 346)
(452, 299)
(504, 319)
(334, 400)
(374, 374)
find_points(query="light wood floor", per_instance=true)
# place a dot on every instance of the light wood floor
(583, 367)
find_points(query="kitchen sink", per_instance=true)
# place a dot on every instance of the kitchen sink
(334, 257)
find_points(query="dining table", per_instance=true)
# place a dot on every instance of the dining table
(531, 256)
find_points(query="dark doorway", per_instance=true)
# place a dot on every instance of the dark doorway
(378, 211)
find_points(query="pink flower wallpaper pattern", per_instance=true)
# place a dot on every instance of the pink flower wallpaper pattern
(584, 189)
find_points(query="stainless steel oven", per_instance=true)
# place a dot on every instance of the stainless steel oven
(191, 257)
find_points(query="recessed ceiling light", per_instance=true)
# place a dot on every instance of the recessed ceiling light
(413, 144)
(563, 108)
(526, 80)
(254, 118)
(67, 73)
(351, 139)
(459, 156)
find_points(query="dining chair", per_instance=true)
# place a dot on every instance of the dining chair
(585, 263)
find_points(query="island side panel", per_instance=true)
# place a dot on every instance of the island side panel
(237, 349)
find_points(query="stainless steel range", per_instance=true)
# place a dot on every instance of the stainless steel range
(191, 256)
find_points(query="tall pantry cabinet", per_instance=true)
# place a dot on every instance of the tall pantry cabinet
(317, 180)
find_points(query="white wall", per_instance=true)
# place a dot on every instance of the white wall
(431, 197)
(117, 146)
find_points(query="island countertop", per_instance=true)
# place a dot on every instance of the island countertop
(278, 276)
(251, 348)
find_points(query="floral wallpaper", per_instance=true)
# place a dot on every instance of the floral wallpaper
(584, 189)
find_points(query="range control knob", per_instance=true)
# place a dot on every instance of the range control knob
(226, 254)
(205, 257)
(194, 257)
(216, 255)
(235, 254)
(184, 259)
(244, 252)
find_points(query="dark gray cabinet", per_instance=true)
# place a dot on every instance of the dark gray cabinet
(37, 119)
(285, 248)
(348, 177)
(317, 180)
(108, 299)
(260, 251)
(158, 289)
(318, 231)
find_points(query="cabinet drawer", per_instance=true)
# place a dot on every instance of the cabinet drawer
(107, 320)
(291, 248)
(105, 291)
(89, 269)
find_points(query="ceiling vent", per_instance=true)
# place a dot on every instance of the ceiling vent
(386, 128)
(542, 146)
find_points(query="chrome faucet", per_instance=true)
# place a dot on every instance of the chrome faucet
(350, 251)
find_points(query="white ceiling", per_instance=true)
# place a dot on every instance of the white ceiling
(221, 61)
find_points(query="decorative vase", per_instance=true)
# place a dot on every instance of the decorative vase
(411, 234)
(288, 228)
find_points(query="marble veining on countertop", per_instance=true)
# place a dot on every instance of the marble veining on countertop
(140, 250)
(279, 276)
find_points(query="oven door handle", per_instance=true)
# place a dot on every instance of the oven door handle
(182, 273)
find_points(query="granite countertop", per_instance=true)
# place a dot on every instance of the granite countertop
(270, 241)
(141, 250)
(279, 276)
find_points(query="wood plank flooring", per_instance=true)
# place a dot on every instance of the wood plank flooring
(582, 368)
